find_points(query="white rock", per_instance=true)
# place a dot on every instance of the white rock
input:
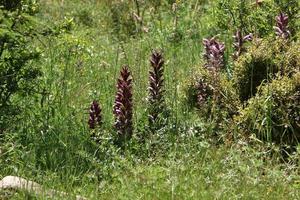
(18, 183)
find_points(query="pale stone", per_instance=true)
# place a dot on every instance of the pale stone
(18, 183)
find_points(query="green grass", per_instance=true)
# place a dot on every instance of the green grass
(51, 143)
(208, 173)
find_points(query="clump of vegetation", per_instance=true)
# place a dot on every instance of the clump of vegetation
(215, 100)
(253, 68)
(273, 114)
(253, 17)
(248, 16)
(262, 61)
(200, 90)
(17, 52)
(289, 58)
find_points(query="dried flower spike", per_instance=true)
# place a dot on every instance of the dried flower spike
(281, 28)
(239, 41)
(156, 91)
(214, 54)
(95, 115)
(123, 105)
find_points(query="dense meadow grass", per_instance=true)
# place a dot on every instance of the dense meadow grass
(84, 43)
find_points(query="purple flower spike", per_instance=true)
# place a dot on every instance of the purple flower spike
(123, 105)
(156, 91)
(202, 91)
(214, 54)
(95, 115)
(281, 28)
(239, 41)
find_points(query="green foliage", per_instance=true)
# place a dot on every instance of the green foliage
(23, 6)
(11, 5)
(291, 7)
(246, 16)
(84, 17)
(192, 89)
(16, 53)
(122, 16)
(250, 17)
(220, 103)
(264, 59)
(253, 68)
(289, 58)
(273, 114)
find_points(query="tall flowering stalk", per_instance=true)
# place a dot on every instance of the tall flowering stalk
(203, 91)
(239, 41)
(281, 28)
(95, 115)
(123, 105)
(214, 54)
(156, 91)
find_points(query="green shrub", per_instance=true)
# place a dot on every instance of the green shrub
(273, 114)
(192, 89)
(253, 68)
(289, 58)
(214, 97)
(264, 59)
(18, 76)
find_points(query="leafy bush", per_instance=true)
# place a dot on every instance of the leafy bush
(199, 90)
(289, 58)
(260, 64)
(214, 97)
(18, 76)
(273, 114)
(253, 68)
